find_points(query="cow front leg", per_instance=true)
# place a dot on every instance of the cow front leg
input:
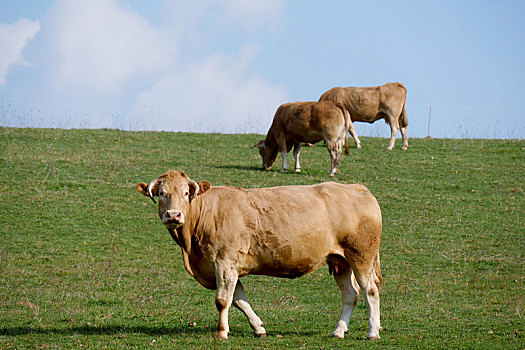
(240, 301)
(296, 153)
(285, 165)
(227, 279)
(349, 290)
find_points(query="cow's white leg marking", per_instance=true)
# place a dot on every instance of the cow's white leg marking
(285, 165)
(393, 130)
(354, 135)
(240, 301)
(227, 279)
(296, 153)
(349, 296)
(371, 293)
(405, 138)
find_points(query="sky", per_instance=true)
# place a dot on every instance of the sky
(226, 65)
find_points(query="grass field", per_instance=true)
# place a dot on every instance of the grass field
(85, 261)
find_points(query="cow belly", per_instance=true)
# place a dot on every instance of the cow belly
(288, 269)
(284, 261)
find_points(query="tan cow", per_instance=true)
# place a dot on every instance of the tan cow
(308, 122)
(368, 104)
(226, 233)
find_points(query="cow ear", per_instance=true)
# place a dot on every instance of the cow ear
(145, 189)
(142, 188)
(259, 145)
(203, 187)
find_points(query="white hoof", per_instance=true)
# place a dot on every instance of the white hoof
(373, 337)
(222, 335)
(338, 334)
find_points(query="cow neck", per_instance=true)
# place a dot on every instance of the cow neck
(270, 139)
(186, 231)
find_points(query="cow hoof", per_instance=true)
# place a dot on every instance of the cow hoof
(404, 148)
(282, 171)
(389, 148)
(338, 334)
(222, 335)
(358, 146)
(260, 335)
(298, 170)
(375, 337)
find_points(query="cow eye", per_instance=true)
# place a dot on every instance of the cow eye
(161, 194)
(186, 194)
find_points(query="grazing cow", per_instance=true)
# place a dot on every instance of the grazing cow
(309, 122)
(368, 104)
(226, 233)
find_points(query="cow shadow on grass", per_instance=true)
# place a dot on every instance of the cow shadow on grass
(238, 167)
(150, 331)
(104, 330)
(257, 168)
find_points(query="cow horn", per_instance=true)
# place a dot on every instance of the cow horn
(151, 184)
(196, 192)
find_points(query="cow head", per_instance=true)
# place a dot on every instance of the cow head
(268, 154)
(175, 191)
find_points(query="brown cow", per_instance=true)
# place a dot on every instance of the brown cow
(368, 104)
(226, 233)
(310, 122)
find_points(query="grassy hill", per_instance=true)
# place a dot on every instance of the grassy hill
(84, 259)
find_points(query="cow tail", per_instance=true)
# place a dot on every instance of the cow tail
(347, 120)
(377, 271)
(404, 119)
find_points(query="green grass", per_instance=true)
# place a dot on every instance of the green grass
(85, 261)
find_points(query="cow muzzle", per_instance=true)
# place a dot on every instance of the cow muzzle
(173, 217)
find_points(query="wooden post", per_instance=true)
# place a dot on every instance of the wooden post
(429, 115)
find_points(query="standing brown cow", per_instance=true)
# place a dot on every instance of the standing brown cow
(298, 122)
(368, 104)
(226, 233)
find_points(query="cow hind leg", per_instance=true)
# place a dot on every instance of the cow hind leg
(226, 282)
(349, 290)
(394, 128)
(405, 138)
(240, 301)
(393, 135)
(335, 149)
(352, 131)
(368, 280)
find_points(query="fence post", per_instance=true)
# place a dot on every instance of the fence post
(429, 115)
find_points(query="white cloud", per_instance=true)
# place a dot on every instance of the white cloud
(95, 60)
(216, 95)
(101, 46)
(254, 14)
(13, 39)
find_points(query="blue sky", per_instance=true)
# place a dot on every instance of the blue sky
(225, 66)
